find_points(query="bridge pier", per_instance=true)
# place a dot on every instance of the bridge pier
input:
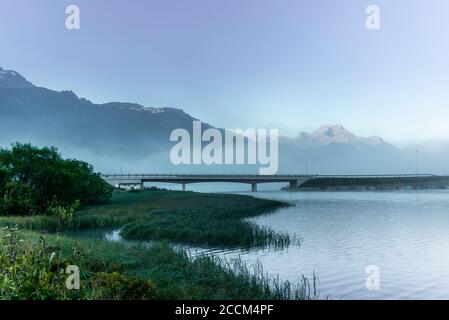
(183, 187)
(253, 187)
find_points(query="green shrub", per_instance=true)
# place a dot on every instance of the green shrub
(34, 179)
(64, 215)
(115, 286)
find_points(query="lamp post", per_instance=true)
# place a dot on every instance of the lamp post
(307, 162)
(121, 154)
(416, 159)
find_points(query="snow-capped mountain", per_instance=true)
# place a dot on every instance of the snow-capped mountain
(332, 148)
(334, 134)
(12, 79)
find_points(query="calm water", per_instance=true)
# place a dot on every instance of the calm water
(405, 234)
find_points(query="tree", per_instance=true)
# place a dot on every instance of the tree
(35, 179)
(3, 179)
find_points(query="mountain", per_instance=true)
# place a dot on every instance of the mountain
(11, 79)
(130, 137)
(335, 134)
(105, 134)
(331, 149)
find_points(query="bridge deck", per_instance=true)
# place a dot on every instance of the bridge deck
(294, 180)
(227, 177)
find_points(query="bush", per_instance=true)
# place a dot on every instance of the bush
(63, 214)
(115, 286)
(34, 179)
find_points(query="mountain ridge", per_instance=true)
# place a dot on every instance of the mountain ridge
(326, 134)
(12, 79)
(123, 134)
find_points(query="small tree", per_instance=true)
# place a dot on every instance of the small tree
(34, 179)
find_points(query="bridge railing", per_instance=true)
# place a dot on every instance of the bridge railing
(167, 175)
(249, 176)
(376, 176)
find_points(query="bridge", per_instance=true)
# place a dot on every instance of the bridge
(294, 181)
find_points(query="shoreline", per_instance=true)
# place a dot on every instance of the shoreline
(168, 273)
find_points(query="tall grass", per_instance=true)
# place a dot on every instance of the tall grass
(178, 276)
(119, 271)
(31, 269)
(158, 271)
(186, 217)
(254, 283)
(204, 219)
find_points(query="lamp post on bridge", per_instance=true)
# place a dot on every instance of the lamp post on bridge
(121, 168)
(307, 162)
(416, 159)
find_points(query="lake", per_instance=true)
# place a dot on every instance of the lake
(404, 235)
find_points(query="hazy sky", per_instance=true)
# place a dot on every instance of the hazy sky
(287, 64)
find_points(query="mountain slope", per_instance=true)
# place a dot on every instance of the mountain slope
(127, 135)
(11, 79)
(43, 116)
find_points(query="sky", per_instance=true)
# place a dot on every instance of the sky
(288, 64)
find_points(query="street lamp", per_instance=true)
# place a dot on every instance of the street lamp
(416, 159)
(121, 154)
(307, 162)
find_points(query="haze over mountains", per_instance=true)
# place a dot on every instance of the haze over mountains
(127, 136)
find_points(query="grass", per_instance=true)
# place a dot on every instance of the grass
(157, 271)
(176, 276)
(119, 271)
(184, 217)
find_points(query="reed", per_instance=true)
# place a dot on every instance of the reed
(32, 265)
(218, 220)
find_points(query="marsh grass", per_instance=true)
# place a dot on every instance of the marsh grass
(176, 275)
(31, 269)
(134, 270)
(255, 283)
(185, 217)
(123, 271)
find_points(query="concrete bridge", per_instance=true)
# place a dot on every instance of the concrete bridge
(294, 181)
(119, 180)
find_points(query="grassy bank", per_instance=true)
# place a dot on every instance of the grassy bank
(187, 217)
(32, 270)
(118, 271)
